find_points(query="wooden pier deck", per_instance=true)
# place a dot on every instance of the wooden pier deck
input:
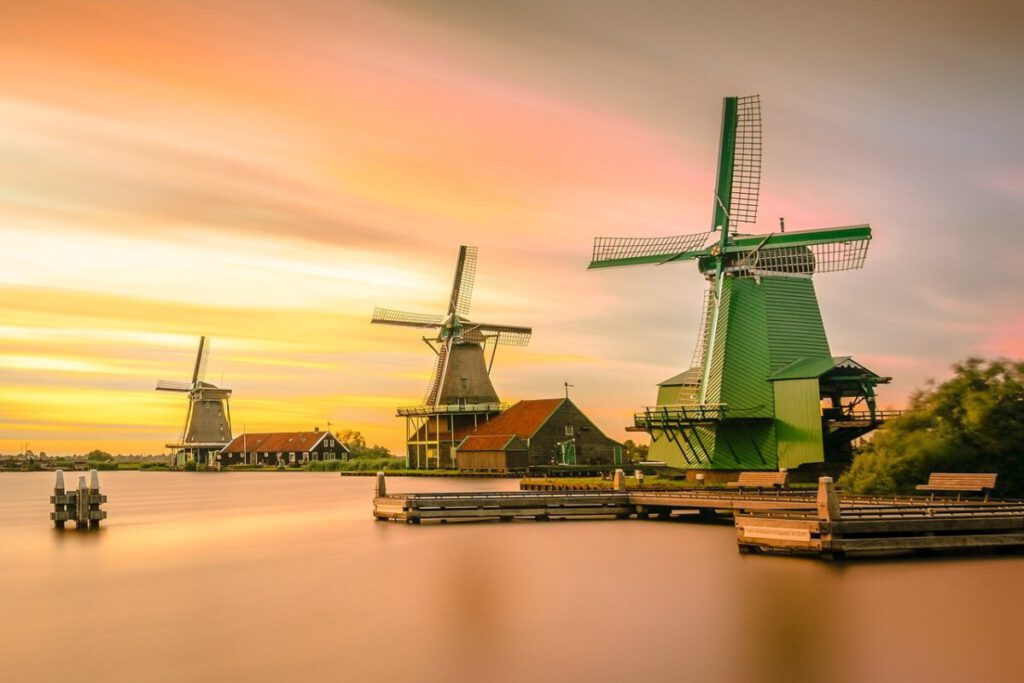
(819, 523)
(876, 529)
(507, 505)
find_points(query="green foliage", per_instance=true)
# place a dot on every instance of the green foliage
(357, 446)
(634, 452)
(98, 456)
(365, 464)
(190, 466)
(102, 465)
(973, 422)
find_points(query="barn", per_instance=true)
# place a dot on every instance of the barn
(282, 448)
(555, 432)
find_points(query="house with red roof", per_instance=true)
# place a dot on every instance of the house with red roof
(552, 431)
(282, 448)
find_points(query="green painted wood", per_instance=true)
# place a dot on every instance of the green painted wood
(798, 422)
(794, 326)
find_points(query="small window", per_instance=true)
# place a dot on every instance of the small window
(568, 430)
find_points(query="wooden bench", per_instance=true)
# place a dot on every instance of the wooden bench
(759, 480)
(960, 482)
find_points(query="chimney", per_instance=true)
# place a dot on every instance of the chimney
(316, 430)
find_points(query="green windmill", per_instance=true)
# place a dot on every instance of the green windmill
(763, 390)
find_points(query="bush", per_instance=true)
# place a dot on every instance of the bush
(356, 465)
(973, 422)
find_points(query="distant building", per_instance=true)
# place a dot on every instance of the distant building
(282, 448)
(554, 432)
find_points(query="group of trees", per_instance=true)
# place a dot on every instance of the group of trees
(973, 422)
(358, 448)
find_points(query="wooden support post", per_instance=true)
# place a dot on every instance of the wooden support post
(382, 488)
(829, 513)
(94, 494)
(828, 501)
(59, 507)
(619, 481)
(82, 507)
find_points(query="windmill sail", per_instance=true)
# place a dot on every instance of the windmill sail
(199, 373)
(746, 164)
(462, 287)
(436, 377)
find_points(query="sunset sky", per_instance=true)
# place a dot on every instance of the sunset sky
(265, 173)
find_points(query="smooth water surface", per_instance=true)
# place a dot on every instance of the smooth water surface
(286, 577)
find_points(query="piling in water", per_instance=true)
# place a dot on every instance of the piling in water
(382, 488)
(81, 506)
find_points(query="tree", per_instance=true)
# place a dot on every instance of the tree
(98, 456)
(973, 422)
(635, 452)
(356, 443)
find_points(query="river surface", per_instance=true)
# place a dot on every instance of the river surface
(286, 577)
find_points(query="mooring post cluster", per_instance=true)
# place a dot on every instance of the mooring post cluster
(81, 506)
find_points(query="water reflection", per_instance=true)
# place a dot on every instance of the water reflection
(267, 577)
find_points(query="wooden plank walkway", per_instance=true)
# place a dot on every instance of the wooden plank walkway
(505, 506)
(819, 523)
(841, 527)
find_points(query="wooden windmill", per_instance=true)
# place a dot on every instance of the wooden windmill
(208, 420)
(460, 394)
(763, 390)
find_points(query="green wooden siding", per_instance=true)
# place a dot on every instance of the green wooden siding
(794, 326)
(744, 373)
(798, 421)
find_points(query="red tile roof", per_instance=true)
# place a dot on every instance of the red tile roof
(523, 419)
(275, 442)
(495, 442)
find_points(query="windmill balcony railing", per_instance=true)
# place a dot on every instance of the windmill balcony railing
(668, 416)
(864, 415)
(452, 408)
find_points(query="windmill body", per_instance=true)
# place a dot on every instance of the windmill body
(763, 390)
(460, 395)
(207, 427)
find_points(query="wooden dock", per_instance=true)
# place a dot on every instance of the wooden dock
(840, 527)
(818, 523)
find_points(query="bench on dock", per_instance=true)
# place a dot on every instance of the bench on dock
(959, 482)
(759, 480)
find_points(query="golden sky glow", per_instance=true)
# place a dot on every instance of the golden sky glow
(267, 173)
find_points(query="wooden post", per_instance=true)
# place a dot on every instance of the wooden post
(59, 507)
(829, 512)
(94, 490)
(82, 507)
(828, 501)
(382, 488)
(619, 481)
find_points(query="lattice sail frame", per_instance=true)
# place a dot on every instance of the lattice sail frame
(617, 248)
(390, 315)
(828, 257)
(462, 295)
(746, 178)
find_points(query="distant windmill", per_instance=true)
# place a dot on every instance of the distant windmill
(208, 420)
(752, 398)
(460, 393)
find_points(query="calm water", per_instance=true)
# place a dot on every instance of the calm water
(273, 577)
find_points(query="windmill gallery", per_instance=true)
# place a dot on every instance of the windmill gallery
(763, 391)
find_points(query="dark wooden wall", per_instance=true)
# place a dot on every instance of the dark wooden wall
(592, 447)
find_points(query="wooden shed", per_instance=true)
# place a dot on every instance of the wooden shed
(493, 453)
